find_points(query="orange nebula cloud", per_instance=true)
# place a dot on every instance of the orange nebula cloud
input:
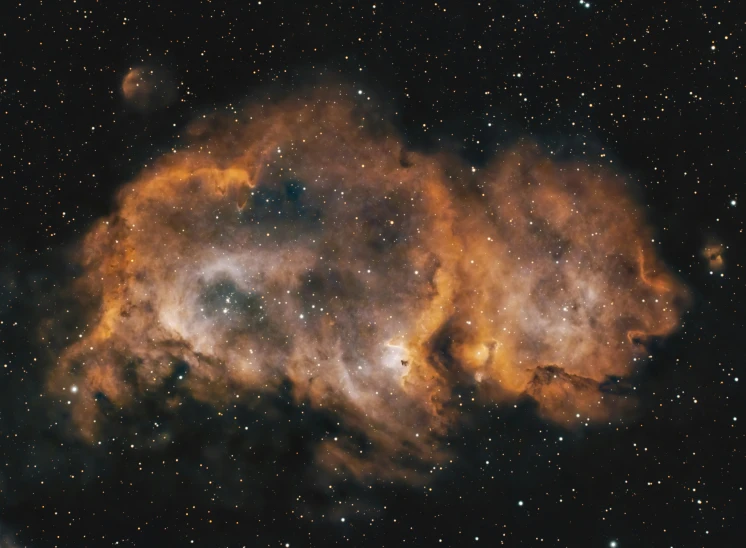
(145, 88)
(302, 242)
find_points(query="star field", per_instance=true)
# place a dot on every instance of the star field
(185, 169)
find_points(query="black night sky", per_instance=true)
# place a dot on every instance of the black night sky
(653, 91)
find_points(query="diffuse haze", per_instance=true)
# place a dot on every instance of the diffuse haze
(148, 88)
(301, 242)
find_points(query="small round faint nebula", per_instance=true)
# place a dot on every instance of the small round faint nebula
(148, 88)
(713, 253)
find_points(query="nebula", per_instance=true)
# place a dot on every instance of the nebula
(713, 253)
(6, 538)
(147, 88)
(300, 243)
